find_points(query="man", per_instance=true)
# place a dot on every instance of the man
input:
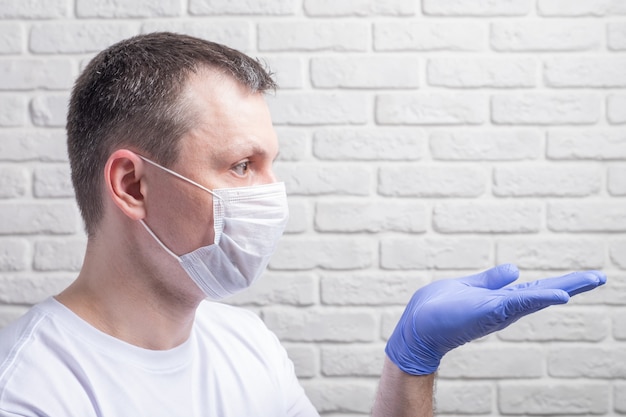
(171, 147)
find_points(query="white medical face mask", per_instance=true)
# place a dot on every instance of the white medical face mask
(248, 222)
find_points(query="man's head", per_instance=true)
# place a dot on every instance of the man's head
(132, 95)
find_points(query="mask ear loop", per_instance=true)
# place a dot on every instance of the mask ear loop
(158, 240)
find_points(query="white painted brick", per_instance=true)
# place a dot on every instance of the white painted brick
(616, 108)
(245, 7)
(587, 144)
(73, 38)
(616, 33)
(14, 181)
(587, 362)
(619, 324)
(581, 7)
(368, 288)
(597, 71)
(368, 144)
(439, 253)
(321, 325)
(304, 358)
(313, 35)
(353, 360)
(547, 180)
(350, 216)
(431, 109)
(592, 216)
(294, 144)
(339, 252)
(317, 179)
(481, 360)
(234, 33)
(13, 110)
(487, 217)
(11, 38)
(612, 294)
(49, 110)
(330, 396)
(31, 289)
(9, 313)
(288, 71)
(28, 218)
(619, 396)
(431, 181)
(59, 254)
(14, 254)
(26, 145)
(122, 9)
(53, 181)
(299, 108)
(559, 324)
(546, 108)
(490, 145)
(424, 35)
(30, 74)
(463, 398)
(617, 180)
(299, 216)
(34, 9)
(618, 253)
(361, 8)
(273, 288)
(365, 72)
(389, 319)
(553, 398)
(482, 72)
(476, 7)
(540, 35)
(545, 254)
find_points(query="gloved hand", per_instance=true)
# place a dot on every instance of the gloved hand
(449, 313)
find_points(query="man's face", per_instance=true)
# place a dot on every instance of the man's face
(233, 144)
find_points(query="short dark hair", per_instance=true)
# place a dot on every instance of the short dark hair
(130, 94)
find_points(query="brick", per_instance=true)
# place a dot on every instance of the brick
(559, 324)
(14, 254)
(553, 398)
(545, 108)
(14, 181)
(53, 181)
(420, 35)
(368, 288)
(353, 360)
(314, 325)
(27, 145)
(482, 72)
(31, 289)
(299, 216)
(365, 72)
(369, 144)
(11, 38)
(359, 8)
(619, 396)
(288, 71)
(618, 253)
(338, 253)
(581, 7)
(616, 34)
(547, 181)
(616, 108)
(33, 9)
(597, 72)
(476, 8)
(389, 320)
(330, 396)
(605, 144)
(274, 288)
(235, 34)
(431, 109)
(586, 217)
(613, 294)
(77, 38)
(439, 253)
(617, 180)
(304, 358)
(59, 255)
(547, 254)
(318, 179)
(484, 361)
(619, 324)
(121, 9)
(299, 108)
(490, 145)
(294, 144)
(538, 35)
(227, 7)
(30, 218)
(303, 35)
(49, 110)
(462, 398)
(30, 74)
(8, 314)
(487, 217)
(13, 110)
(587, 362)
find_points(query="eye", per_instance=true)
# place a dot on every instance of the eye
(241, 168)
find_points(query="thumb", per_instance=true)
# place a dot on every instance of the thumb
(494, 278)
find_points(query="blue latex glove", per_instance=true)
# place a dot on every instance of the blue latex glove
(449, 313)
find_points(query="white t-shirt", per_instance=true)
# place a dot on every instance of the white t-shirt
(52, 363)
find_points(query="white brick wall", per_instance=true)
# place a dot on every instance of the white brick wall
(419, 140)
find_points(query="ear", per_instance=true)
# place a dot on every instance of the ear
(123, 175)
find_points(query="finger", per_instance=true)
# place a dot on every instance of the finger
(494, 278)
(573, 283)
(522, 303)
